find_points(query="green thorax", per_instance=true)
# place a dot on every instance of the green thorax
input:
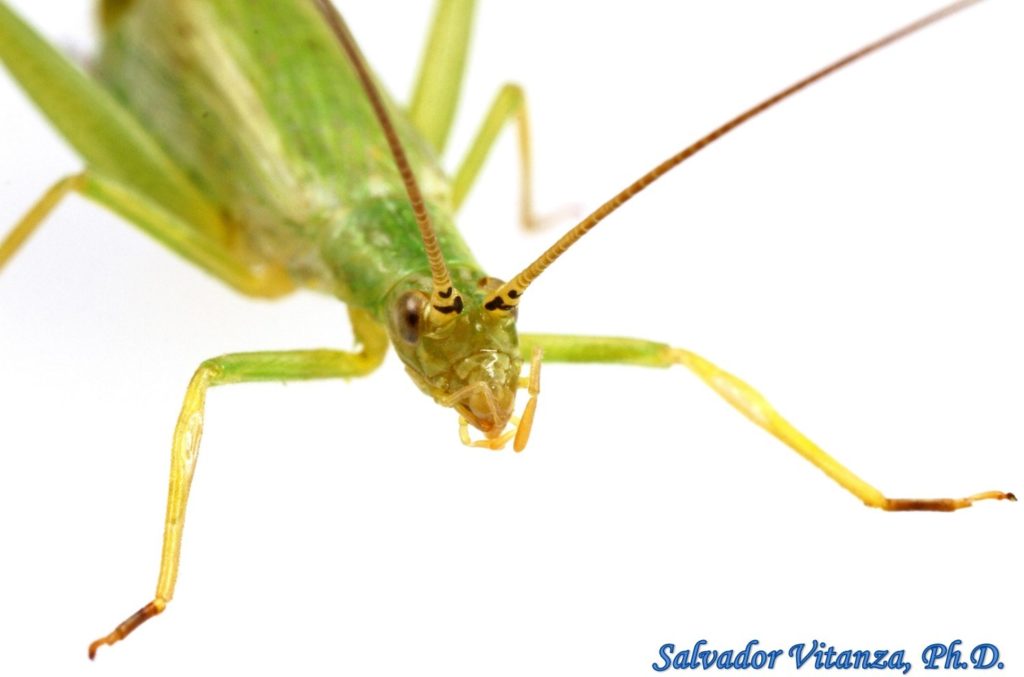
(258, 104)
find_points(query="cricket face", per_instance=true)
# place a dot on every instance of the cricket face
(470, 362)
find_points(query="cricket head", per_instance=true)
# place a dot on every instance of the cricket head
(458, 353)
(458, 343)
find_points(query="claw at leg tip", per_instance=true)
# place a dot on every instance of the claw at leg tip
(97, 644)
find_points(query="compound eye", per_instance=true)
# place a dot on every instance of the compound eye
(407, 315)
(489, 284)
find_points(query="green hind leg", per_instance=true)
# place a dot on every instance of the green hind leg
(749, 402)
(297, 365)
(194, 245)
(435, 96)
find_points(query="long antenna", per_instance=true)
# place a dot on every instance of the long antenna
(445, 298)
(506, 297)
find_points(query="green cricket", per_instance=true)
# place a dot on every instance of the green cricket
(253, 140)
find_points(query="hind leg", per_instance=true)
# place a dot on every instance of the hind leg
(195, 246)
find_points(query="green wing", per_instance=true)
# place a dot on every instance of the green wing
(108, 137)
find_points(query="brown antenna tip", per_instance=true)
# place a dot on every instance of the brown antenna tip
(506, 298)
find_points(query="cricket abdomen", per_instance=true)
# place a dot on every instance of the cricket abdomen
(261, 108)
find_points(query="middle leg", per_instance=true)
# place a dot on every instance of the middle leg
(509, 105)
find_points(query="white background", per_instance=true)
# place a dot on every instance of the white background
(855, 254)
